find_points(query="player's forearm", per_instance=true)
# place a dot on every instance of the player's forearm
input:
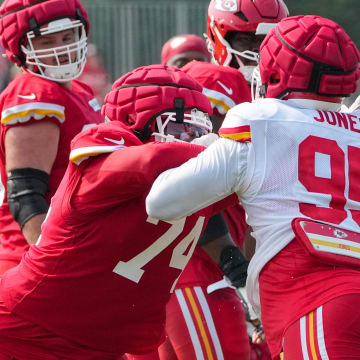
(169, 203)
(32, 228)
(214, 248)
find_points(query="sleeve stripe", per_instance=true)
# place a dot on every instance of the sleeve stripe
(24, 112)
(80, 154)
(237, 129)
(240, 133)
(220, 105)
(222, 102)
(244, 137)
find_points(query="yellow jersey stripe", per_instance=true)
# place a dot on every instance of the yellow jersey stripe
(34, 112)
(200, 323)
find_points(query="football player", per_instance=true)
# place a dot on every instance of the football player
(235, 30)
(95, 284)
(292, 159)
(181, 49)
(41, 111)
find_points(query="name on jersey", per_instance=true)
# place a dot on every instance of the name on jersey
(343, 120)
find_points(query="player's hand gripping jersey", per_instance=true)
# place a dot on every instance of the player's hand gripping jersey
(22, 104)
(318, 164)
(101, 260)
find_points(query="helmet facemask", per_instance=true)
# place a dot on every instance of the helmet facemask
(159, 103)
(195, 124)
(246, 60)
(255, 84)
(63, 63)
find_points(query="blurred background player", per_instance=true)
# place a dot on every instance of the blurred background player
(181, 49)
(88, 256)
(305, 272)
(41, 111)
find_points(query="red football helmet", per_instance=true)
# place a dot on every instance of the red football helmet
(181, 49)
(308, 54)
(159, 102)
(21, 21)
(252, 17)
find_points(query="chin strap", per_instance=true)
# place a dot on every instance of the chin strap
(179, 110)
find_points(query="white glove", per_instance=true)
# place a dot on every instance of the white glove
(251, 313)
(344, 109)
(355, 105)
(205, 140)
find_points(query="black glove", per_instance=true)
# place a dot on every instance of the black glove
(234, 265)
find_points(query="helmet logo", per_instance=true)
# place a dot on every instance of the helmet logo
(226, 5)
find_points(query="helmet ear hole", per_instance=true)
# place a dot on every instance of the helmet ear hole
(274, 78)
(131, 119)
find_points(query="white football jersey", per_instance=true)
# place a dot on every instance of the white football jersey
(287, 161)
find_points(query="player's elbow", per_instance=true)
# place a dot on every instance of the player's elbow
(157, 207)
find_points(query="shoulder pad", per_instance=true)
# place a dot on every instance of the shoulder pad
(101, 139)
(29, 97)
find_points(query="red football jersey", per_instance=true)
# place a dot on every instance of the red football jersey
(224, 86)
(236, 221)
(102, 271)
(28, 99)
